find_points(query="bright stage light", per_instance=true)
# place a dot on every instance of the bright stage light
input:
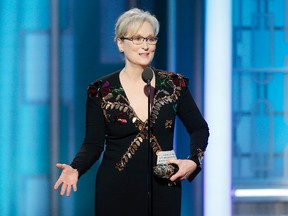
(218, 72)
(261, 192)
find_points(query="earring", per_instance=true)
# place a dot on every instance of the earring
(121, 50)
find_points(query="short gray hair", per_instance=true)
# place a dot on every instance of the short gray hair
(132, 20)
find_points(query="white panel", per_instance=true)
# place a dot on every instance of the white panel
(217, 177)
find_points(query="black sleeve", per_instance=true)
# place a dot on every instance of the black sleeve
(93, 144)
(195, 125)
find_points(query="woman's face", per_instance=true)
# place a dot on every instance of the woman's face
(142, 54)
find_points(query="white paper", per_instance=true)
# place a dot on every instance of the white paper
(164, 156)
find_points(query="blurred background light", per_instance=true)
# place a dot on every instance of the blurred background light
(217, 181)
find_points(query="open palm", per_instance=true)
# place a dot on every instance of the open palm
(68, 179)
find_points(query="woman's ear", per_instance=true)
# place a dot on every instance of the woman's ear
(120, 45)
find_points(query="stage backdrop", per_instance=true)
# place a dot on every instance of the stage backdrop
(260, 103)
(49, 52)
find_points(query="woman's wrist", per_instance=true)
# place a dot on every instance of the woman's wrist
(197, 158)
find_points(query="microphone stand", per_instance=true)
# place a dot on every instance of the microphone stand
(149, 180)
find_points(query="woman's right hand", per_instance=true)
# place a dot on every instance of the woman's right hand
(68, 179)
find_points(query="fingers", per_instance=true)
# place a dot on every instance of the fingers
(74, 187)
(179, 176)
(63, 189)
(185, 169)
(175, 177)
(68, 179)
(58, 165)
(61, 166)
(68, 190)
(57, 184)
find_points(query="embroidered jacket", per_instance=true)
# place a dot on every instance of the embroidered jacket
(112, 121)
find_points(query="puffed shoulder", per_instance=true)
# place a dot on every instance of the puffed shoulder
(99, 88)
(178, 79)
(102, 86)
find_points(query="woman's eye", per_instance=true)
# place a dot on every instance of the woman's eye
(138, 38)
(152, 39)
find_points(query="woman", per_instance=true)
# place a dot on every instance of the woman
(116, 116)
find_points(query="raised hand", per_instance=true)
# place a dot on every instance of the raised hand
(68, 179)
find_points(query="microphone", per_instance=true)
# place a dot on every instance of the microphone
(147, 75)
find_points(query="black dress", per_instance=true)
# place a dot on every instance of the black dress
(111, 124)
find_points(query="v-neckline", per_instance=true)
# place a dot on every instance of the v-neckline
(129, 104)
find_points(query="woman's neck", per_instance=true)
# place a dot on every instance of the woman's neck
(133, 73)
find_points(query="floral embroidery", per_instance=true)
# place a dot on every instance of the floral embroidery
(120, 118)
(168, 124)
(99, 88)
(200, 155)
(118, 90)
(172, 79)
(92, 91)
(167, 82)
(162, 97)
(178, 80)
(105, 90)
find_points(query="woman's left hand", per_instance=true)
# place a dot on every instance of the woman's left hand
(186, 168)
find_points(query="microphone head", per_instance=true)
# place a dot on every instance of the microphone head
(147, 74)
